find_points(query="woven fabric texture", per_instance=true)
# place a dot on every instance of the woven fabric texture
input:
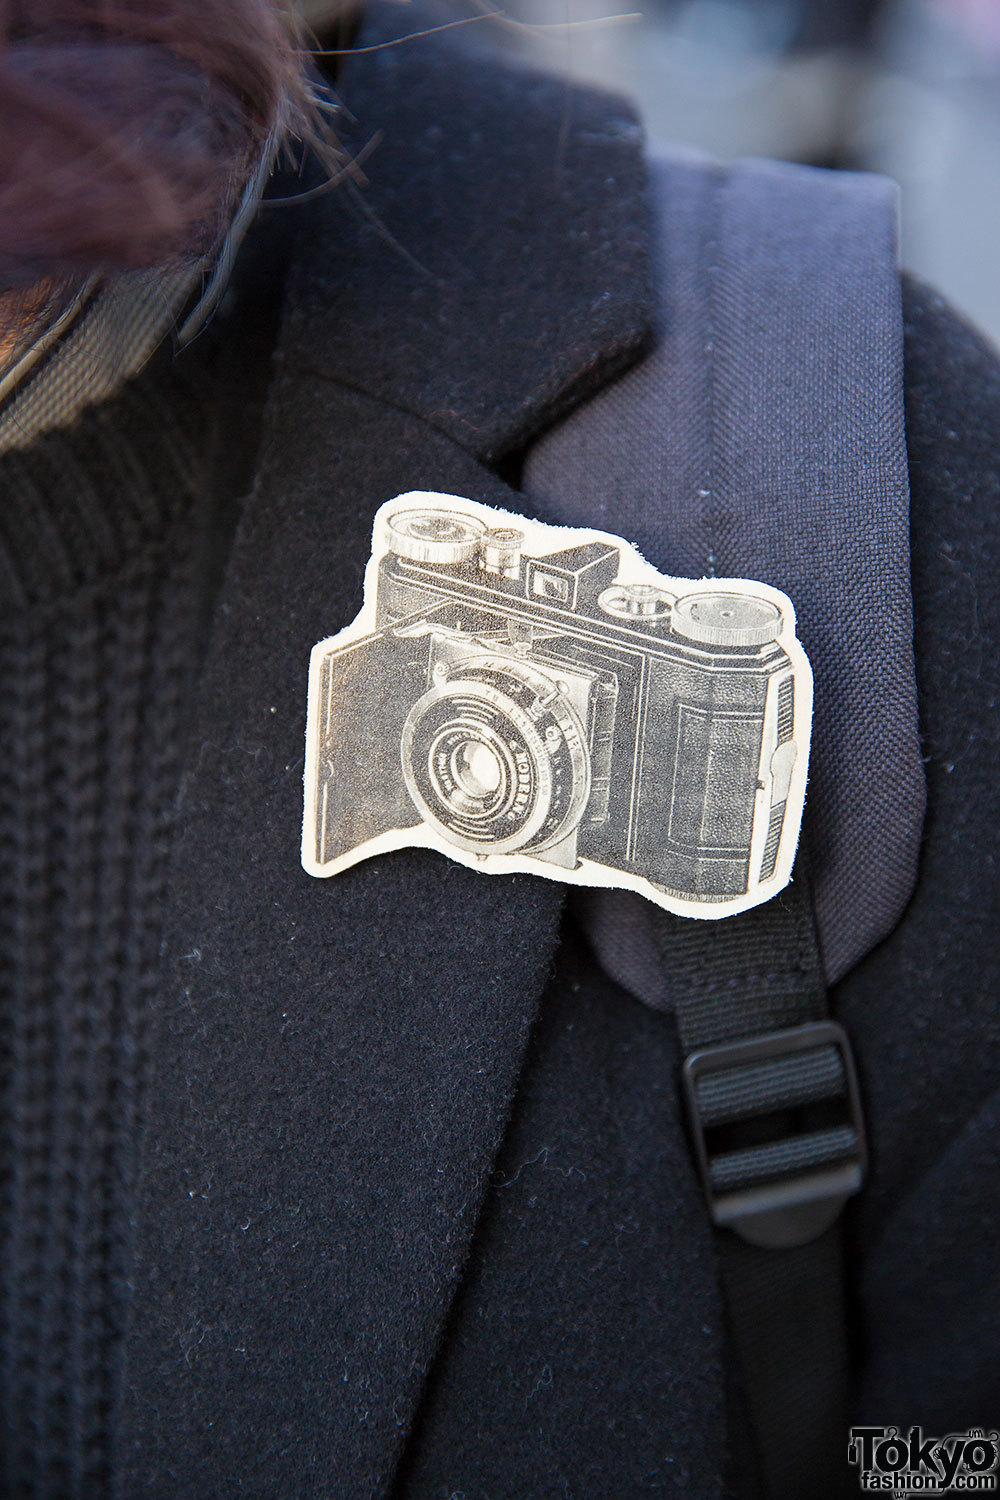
(763, 438)
(112, 338)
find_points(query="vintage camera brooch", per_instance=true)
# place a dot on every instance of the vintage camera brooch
(538, 698)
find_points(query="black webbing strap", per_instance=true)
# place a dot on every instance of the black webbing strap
(777, 1133)
(787, 1318)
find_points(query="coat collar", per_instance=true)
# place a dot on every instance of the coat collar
(491, 271)
(334, 1061)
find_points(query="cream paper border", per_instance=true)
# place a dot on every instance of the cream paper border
(541, 539)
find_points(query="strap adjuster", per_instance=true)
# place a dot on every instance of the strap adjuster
(778, 1131)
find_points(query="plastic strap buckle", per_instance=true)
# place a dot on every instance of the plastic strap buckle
(778, 1131)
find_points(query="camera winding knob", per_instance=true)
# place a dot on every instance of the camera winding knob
(641, 603)
(434, 536)
(721, 619)
(501, 551)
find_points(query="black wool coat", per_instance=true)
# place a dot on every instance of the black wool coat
(414, 1212)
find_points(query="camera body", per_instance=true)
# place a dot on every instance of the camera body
(566, 710)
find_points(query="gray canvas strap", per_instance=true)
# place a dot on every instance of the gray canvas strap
(803, 481)
(763, 438)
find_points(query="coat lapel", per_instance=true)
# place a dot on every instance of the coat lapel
(333, 1062)
(492, 271)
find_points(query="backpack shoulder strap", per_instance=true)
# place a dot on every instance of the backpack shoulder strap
(763, 438)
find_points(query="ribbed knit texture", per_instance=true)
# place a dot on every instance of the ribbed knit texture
(84, 499)
(97, 561)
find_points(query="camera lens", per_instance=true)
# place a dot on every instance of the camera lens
(495, 759)
(476, 770)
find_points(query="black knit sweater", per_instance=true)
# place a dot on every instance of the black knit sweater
(111, 536)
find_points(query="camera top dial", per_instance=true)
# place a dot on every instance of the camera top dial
(434, 536)
(638, 603)
(721, 619)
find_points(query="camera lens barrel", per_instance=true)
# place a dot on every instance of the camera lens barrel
(495, 758)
